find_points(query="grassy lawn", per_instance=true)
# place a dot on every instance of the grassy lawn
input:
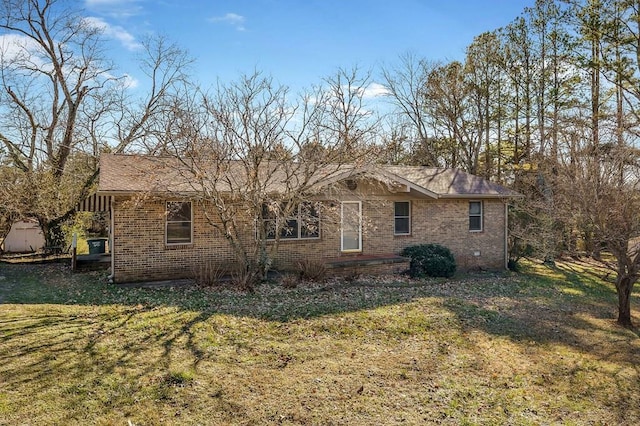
(540, 347)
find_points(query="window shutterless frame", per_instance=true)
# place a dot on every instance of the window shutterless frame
(304, 224)
(309, 219)
(178, 222)
(475, 216)
(402, 218)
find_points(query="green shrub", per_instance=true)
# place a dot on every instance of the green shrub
(430, 260)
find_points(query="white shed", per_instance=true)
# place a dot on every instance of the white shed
(24, 236)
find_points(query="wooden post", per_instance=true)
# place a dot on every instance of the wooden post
(74, 248)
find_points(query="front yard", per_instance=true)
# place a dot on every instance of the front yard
(539, 347)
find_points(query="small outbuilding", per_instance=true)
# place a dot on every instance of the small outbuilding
(24, 236)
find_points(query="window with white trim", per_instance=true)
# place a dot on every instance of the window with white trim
(179, 220)
(402, 218)
(475, 216)
(303, 224)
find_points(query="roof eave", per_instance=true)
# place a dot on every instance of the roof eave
(423, 191)
(479, 196)
(409, 184)
(121, 192)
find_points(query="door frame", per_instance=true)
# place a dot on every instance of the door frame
(342, 223)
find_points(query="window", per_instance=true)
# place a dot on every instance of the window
(402, 216)
(269, 221)
(304, 223)
(179, 219)
(309, 221)
(475, 216)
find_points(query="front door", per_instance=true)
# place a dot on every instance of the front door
(351, 235)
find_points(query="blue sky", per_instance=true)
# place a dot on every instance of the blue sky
(300, 41)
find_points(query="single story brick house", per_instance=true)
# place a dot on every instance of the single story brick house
(159, 231)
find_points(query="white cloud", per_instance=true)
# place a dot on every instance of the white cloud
(119, 9)
(374, 90)
(114, 31)
(130, 82)
(11, 45)
(127, 81)
(15, 47)
(232, 19)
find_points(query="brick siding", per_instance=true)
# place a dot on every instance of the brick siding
(140, 252)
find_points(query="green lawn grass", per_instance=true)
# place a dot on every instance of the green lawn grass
(539, 347)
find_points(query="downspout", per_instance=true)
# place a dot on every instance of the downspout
(506, 235)
(111, 238)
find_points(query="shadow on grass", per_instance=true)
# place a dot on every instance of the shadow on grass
(114, 345)
(565, 304)
(543, 304)
(539, 295)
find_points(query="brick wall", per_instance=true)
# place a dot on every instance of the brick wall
(139, 248)
(444, 222)
(140, 252)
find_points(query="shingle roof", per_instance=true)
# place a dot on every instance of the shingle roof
(450, 182)
(138, 174)
(121, 173)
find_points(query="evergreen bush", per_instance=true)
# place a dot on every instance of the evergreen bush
(430, 260)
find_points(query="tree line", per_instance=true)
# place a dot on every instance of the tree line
(547, 105)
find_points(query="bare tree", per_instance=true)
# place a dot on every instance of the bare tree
(609, 207)
(60, 103)
(141, 124)
(341, 118)
(602, 184)
(51, 68)
(406, 86)
(454, 118)
(255, 158)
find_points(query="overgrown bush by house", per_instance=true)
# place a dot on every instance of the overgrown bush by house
(311, 270)
(430, 260)
(207, 273)
(289, 281)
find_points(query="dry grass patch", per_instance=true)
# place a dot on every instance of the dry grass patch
(539, 347)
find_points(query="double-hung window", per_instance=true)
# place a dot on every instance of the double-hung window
(179, 229)
(475, 216)
(402, 218)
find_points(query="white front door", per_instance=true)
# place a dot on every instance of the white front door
(351, 235)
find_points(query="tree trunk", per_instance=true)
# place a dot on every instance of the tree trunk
(624, 286)
(52, 231)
